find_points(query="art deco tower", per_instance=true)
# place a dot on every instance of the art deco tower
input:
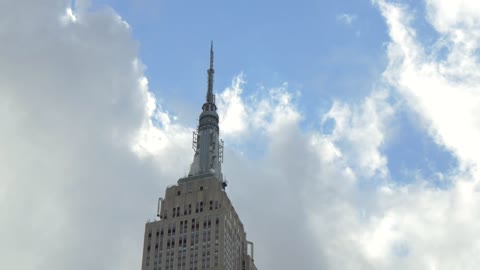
(197, 226)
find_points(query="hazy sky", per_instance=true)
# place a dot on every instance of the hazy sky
(351, 128)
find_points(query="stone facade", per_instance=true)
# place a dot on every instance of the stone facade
(199, 229)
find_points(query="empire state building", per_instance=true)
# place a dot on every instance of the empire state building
(197, 226)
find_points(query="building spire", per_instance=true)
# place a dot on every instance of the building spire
(206, 142)
(211, 71)
(211, 54)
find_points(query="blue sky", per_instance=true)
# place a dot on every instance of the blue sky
(350, 127)
(304, 44)
(325, 50)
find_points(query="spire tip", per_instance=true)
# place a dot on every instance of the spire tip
(211, 54)
(210, 96)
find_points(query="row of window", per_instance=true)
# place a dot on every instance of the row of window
(195, 227)
(199, 207)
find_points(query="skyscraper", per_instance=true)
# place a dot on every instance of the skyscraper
(198, 227)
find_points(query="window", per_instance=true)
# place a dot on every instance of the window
(178, 193)
(201, 187)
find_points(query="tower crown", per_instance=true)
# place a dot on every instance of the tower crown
(206, 143)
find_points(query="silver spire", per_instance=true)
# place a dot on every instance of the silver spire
(211, 71)
(206, 142)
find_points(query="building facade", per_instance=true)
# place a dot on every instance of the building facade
(197, 226)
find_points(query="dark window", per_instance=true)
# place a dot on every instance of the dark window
(201, 187)
(178, 193)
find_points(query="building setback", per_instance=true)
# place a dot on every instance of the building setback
(197, 226)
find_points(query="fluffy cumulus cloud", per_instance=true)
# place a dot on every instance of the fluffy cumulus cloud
(86, 149)
(73, 103)
(441, 82)
(360, 132)
(419, 225)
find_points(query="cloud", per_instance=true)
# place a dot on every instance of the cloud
(442, 89)
(296, 173)
(420, 224)
(322, 177)
(360, 133)
(446, 16)
(73, 98)
(347, 18)
(87, 149)
(231, 108)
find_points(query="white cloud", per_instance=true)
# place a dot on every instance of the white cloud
(86, 150)
(446, 16)
(346, 18)
(242, 118)
(231, 109)
(72, 99)
(69, 16)
(361, 132)
(443, 90)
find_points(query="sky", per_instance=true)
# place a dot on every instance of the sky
(351, 128)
